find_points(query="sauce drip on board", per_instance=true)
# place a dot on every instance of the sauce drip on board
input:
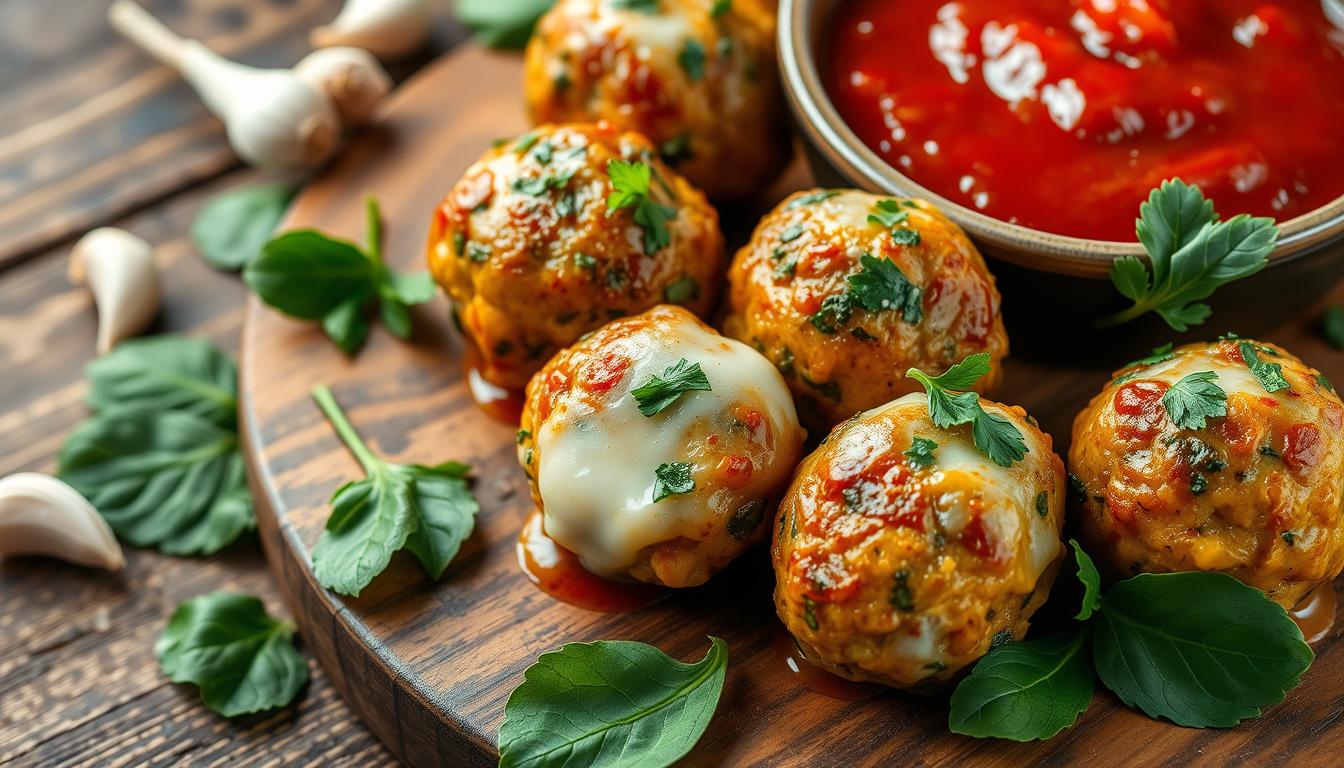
(1063, 115)
(1315, 615)
(559, 573)
(796, 667)
(505, 405)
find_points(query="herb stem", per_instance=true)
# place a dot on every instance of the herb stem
(1123, 316)
(326, 402)
(373, 237)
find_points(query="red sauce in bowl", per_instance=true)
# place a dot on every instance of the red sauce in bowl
(1062, 115)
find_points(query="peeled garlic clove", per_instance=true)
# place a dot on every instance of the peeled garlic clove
(40, 515)
(386, 28)
(351, 77)
(119, 269)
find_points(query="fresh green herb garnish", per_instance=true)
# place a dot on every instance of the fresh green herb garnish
(610, 704)
(1324, 382)
(1160, 355)
(902, 598)
(501, 23)
(1288, 537)
(1191, 253)
(522, 436)
(630, 189)
(1091, 581)
(810, 613)
(543, 184)
(1269, 374)
(428, 510)
(682, 291)
(672, 479)
(1043, 504)
(881, 285)
(643, 6)
(661, 391)
(720, 8)
(166, 420)
(745, 519)
(906, 236)
(1194, 399)
(243, 660)
(791, 233)
(1332, 326)
(887, 214)
(812, 198)
(1025, 691)
(310, 276)
(994, 436)
(232, 227)
(920, 452)
(835, 311)
(692, 59)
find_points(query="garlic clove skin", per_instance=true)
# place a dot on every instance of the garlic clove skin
(389, 29)
(40, 515)
(119, 270)
(351, 78)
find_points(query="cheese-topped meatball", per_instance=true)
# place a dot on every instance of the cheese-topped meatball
(1255, 493)
(695, 76)
(899, 560)
(844, 291)
(657, 448)
(533, 254)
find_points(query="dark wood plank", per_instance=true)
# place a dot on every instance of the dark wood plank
(79, 683)
(94, 129)
(429, 666)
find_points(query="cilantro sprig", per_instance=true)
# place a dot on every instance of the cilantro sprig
(630, 189)
(1191, 253)
(950, 404)
(1194, 399)
(661, 391)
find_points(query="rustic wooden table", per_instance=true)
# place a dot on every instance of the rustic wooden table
(94, 133)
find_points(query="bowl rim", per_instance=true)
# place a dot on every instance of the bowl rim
(829, 135)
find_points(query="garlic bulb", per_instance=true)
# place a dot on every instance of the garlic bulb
(120, 271)
(388, 29)
(275, 120)
(351, 77)
(40, 515)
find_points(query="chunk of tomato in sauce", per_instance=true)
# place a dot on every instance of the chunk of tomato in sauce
(1138, 405)
(1303, 447)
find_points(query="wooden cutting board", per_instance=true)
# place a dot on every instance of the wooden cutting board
(428, 666)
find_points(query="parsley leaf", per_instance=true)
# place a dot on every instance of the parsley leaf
(1025, 691)
(672, 479)
(887, 214)
(880, 284)
(720, 8)
(835, 311)
(692, 59)
(630, 189)
(1191, 254)
(920, 453)
(1160, 355)
(994, 436)
(1194, 399)
(242, 659)
(427, 510)
(661, 391)
(1269, 374)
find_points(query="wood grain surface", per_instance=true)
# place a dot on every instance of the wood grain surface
(428, 666)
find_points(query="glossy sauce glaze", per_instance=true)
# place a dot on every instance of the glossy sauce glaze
(559, 573)
(500, 403)
(1315, 615)
(1061, 116)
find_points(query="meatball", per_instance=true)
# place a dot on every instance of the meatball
(656, 448)
(696, 76)
(901, 562)
(844, 291)
(1255, 493)
(533, 256)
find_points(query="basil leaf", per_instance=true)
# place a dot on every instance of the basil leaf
(1090, 579)
(428, 510)
(168, 479)
(610, 704)
(1200, 649)
(242, 659)
(347, 326)
(166, 373)
(1024, 691)
(1194, 399)
(306, 274)
(232, 227)
(502, 23)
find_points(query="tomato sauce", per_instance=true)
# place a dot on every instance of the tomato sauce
(559, 573)
(1062, 115)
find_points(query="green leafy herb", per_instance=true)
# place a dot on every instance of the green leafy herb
(887, 214)
(242, 659)
(720, 8)
(692, 59)
(834, 312)
(501, 23)
(1194, 399)
(1025, 691)
(682, 291)
(920, 453)
(310, 276)
(159, 459)
(791, 233)
(902, 597)
(745, 519)
(643, 6)
(630, 189)
(1091, 581)
(661, 391)
(811, 198)
(1200, 649)
(672, 479)
(428, 510)
(232, 227)
(1160, 355)
(994, 436)
(809, 610)
(540, 185)
(1324, 382)
(1332, 326)
(1191, 253)
(1043, 504)
(905, 236)
(1269, 374)
(881, 285)
(610, 704)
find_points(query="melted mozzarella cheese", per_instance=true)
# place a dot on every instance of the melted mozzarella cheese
(597, 477)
